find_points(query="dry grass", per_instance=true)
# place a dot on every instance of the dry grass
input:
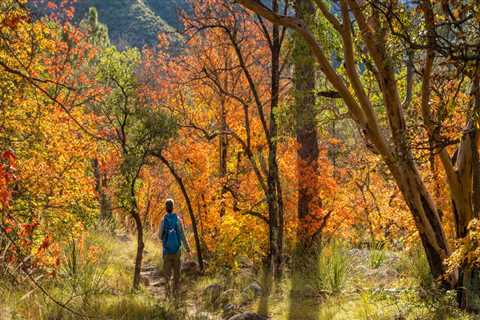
(338, 284)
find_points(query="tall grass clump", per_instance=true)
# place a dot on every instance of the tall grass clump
(420, 269)
(377, 256)
(82, 274)
(322, 269)
(334, 266)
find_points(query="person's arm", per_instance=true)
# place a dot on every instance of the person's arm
(160, 232)
(182, 234)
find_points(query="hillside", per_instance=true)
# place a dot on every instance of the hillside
(133, 22)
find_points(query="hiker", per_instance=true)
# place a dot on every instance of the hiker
(172, 236)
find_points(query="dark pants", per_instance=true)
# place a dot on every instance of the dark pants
(171, 266)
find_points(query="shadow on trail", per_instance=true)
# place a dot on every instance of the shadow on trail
(303, 303)
(267, 285)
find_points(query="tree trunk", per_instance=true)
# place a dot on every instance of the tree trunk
(307, 152)
(140, 244)
(466, 202)
(307, 163)
(276, 245)
(223, 145)
(103, 199)
(425, 214)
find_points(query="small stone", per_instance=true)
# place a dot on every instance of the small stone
(212, 293)
(144, 280)
(252, 291)
(189, 268)
(124, 238)
(147, 268)
(227, 296)
(203, 316)
(228, 310)
(248, 316)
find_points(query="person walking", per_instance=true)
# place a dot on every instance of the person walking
(172, 235)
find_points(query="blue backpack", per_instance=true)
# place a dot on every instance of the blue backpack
(171, 234)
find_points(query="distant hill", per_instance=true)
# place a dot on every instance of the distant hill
(167, 10)
(133, 22)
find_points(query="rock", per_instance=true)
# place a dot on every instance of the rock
(355, 252)
(149, 268)
(245, 275)
(145, 273)
(252, 291)
(228, 311)
(144, 280)
(244, 262)
(151, 272)
(211, 294)
(362, 269)
(124, 238)
(227, 296)
(159, 283)
(189, 268)
(203, 316)
(384, 273)
(248, 316)
(157, 273)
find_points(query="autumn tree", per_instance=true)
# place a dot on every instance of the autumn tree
(239, 34)
(97, 36)
(51, 197)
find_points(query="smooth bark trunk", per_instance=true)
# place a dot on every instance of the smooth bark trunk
(466, 202)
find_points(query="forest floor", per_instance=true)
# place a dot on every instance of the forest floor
(341, 283)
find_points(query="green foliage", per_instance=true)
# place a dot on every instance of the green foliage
(434, 304)
(94, 280)
(367, 309)
(376, 256)
(98, 31)
(137, 128)
(167, 10)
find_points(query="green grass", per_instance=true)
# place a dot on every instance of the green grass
(377, 256)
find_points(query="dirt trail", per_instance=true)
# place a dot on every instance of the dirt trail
(154, 281)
